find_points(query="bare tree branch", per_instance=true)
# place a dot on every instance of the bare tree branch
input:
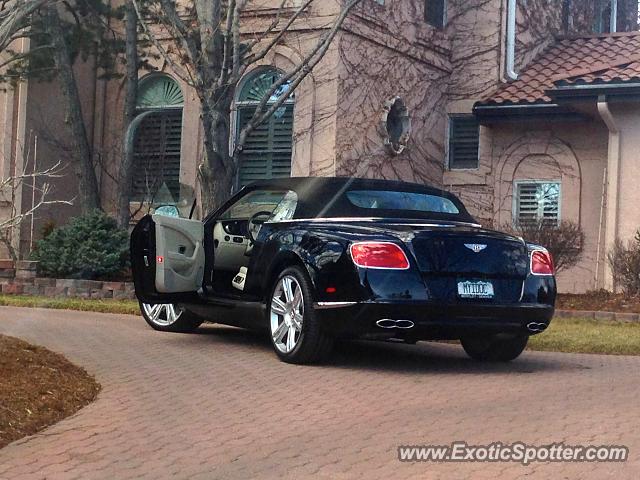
(294, 77)
(182, 31)
(219, 56)
(276, 39)
(184, 75)
(228, 50)
(13, 15)
(39, 181)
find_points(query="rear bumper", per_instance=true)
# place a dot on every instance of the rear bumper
(428, 321)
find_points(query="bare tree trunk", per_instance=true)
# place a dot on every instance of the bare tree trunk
(125, 173)
(6, 241)
(87, 179)
(217, 171)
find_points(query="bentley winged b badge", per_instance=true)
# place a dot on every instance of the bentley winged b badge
(475, 247)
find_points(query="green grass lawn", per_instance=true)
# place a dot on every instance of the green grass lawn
(564, 335)
(589, 336)
(103, 306)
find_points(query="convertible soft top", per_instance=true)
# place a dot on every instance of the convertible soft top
(326, 197)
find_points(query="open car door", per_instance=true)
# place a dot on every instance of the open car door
(167, 259)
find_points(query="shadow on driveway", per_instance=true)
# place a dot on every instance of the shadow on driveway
(424, 357)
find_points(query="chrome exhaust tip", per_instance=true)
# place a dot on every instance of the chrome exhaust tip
(389, 323)
(536, 327)
(406, 324)
(386, 323)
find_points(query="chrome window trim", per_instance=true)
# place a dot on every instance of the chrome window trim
(409, 221)
(328, 305)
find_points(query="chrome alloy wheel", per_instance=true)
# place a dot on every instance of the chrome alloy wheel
(287, 314)
(162, 314)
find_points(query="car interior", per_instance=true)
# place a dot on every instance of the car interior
(236, 229)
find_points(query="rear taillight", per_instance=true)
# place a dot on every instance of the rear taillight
(542, 263)
(379, 255)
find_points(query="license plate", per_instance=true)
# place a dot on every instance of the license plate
(471, 289)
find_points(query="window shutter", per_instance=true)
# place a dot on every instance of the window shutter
(434, 12)
(464, 141)
(267, 150)
(527, 203)
(538, 202)
(157, 155)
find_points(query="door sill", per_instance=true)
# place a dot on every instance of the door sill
(230, 300)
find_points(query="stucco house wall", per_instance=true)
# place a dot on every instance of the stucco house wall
(576, 154)
(389, 53)
(573, 153)
(384, 51)
(627, 117)
(48, 141)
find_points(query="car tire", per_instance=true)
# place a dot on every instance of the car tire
(494, 348)
(170, 318)
(294, 326)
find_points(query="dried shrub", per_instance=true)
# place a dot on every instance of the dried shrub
(564, 241)
(625, 265)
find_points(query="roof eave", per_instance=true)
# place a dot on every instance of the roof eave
(628, 91)
(515, 112)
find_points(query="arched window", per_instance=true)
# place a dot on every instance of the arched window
(267, 150)
(158, 140)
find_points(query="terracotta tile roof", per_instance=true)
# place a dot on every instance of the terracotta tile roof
(577, 60)
(627, 72)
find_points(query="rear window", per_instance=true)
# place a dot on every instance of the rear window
(398, 200)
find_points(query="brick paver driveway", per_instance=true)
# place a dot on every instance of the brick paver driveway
(218, 404)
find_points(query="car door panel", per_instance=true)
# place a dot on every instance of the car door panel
(145, 253)
(180, 254)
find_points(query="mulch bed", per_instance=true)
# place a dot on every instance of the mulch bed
(600, 300)
(38, 388)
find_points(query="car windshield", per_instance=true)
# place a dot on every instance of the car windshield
(398, 200)
(254, 202)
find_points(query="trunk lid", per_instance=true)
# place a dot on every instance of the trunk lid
(484, 253)
(449, 257)
(445, 254)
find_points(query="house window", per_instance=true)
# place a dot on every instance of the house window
(464, 142)
(267, 150)
(537, 202)
(435, 12)
(157, 141)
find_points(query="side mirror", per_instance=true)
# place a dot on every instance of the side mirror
(168, 211)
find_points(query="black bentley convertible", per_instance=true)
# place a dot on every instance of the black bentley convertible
(314, 259)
